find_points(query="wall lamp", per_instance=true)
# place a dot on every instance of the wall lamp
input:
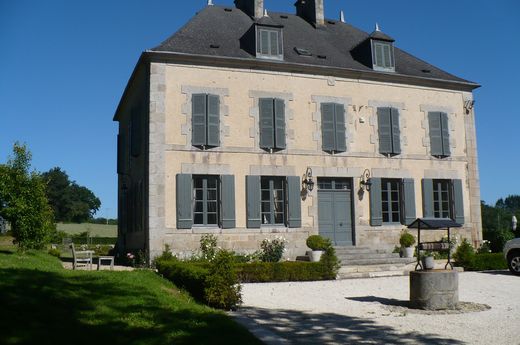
(365, 182)
(469, 105)
(307, 182)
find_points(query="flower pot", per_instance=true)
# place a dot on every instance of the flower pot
(315, 255)
(408, 252)
(428, 262)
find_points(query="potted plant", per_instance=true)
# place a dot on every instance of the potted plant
(427, 260)
(318, 245)
(407, 241)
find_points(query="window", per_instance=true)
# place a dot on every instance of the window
(333, 127)
(439, 134)
(383, 56)
(272, 123)
(205, 200)
(273, 200)
(389, 131)
(442, 199)
(269, 44)
(205, 120)
(391, 200)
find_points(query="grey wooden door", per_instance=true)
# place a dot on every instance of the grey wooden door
(335, 211)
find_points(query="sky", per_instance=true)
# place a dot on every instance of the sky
(65, 63)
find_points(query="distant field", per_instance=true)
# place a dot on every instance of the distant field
(94, 229)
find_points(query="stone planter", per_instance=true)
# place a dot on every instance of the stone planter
(315, 255)
(408, 252)
(428, 262)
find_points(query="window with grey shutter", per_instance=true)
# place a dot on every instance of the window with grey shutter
(383, 56)
(253, 201)
(205, 120)
(439, 134)
(376, 213)
(333, 127)
(294, 217)
(389, 131)
(184, 201)
(427, 194)
(272, 123)
(269, 42)
(227, 196)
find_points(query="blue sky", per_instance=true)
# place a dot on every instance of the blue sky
(64, 65)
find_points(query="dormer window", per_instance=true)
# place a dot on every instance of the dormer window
(382, 51)
(269, 42)
(383, 56)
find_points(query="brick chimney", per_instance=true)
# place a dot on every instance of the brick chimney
(253, 8)
(312, 11)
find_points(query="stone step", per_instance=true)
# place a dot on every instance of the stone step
(355, 250)
(352, 256)
(377, 261)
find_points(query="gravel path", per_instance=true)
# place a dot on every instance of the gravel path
(374, 311)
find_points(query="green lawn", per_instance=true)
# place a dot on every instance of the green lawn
(99, 230)
(41, 303)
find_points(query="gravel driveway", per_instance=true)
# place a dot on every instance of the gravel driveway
(374, 311)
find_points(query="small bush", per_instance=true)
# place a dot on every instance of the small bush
(330, 261)
(222, 289)
(272, 250)
(55, 252)
(208, 246)
(465, 254)
(264, 272)
(488, 261)
(406, 239)
(316, 242)
(188, 276)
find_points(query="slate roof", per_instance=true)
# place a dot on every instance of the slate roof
(434, 224)
(223, 27)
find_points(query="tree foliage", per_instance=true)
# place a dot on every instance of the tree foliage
(70, 201)
(496, 221)
(23, 201)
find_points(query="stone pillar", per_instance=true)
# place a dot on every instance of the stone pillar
(434, 289)
(253, 8)
(311, 10)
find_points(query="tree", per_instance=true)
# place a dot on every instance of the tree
(70, 201)
(23, 201)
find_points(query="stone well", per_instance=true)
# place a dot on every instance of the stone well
(434, 289)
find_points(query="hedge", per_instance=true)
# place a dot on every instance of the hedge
(185, 275)
(487, 262)
(263, 272)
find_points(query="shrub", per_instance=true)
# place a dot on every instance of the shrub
(498, 238)
(55, 252)
(330, 261)
(263, 272)
(485, 247)
(272, 250)
(208, 246)
(406, 239)
(222, 289)
(488, 261)
(465, 254)
(316, 242)
(188, 276)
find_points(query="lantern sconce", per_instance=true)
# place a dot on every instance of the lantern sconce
(307, 182)
(365, 182)
(469, 105)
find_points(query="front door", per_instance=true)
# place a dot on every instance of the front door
(335, 210)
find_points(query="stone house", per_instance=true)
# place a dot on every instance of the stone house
(250, 124)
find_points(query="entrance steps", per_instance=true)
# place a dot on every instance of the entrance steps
(365, 262)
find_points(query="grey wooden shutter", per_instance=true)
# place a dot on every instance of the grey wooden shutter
(266, 123)
(213, 120)
(184, 201)
(253, 201)
(376, 212)
(409, 201)
(385, 130)
(273, 40)
(445, 135)
(198, 119)
(458, 202)
(227, 197)
(327, 127)
(339, 112)
(294, 207)
(434, 120)
(279, 115)
(396, 132)
(427, 194)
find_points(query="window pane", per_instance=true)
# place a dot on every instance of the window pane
(199, 207)
(395, 216)
(385, 217)
(266, 207)
(278, 183)
(278, 218)
(199, 219)
(266, 196)
(324, 184)
(274, 43)
(278, 195)
(212, 195)
(212, 182)
(212, 219)
(385, 206)
(198, 183)
(278, 207)
(386, 55)
(266, 218)
(264, 48)
(212, 206)
(198, 194)
(379, 55)
(265, 183)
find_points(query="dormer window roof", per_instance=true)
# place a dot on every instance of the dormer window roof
(269, 39)
(382, 45)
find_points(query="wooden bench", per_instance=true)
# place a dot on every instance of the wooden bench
(82, 258)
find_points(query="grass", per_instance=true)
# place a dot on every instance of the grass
(100, 230)
(41, 303)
